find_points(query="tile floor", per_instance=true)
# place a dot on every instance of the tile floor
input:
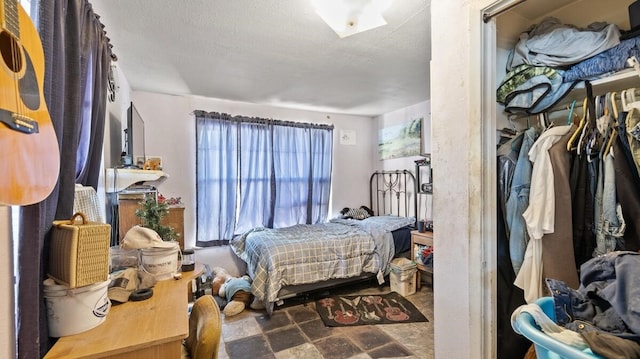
(295, 330)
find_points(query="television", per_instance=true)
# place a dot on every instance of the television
(135, 141)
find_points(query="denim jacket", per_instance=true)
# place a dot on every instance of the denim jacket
(608, 298)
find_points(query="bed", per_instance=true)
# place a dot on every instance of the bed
(287, 262)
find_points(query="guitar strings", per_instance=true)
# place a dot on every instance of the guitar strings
(15, 54)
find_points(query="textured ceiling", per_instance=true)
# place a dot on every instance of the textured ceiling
(273, 52)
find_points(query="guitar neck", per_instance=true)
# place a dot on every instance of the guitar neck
(9, 16)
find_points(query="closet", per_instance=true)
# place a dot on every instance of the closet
(510, 19)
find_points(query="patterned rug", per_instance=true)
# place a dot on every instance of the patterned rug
(391, 308)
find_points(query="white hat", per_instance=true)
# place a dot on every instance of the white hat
(139, 237)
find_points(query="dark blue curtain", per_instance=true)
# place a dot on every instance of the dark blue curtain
(259, 173)
(77, 55)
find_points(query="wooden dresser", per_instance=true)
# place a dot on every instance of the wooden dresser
(127, 218)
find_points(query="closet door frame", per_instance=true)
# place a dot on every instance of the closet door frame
(488, 112)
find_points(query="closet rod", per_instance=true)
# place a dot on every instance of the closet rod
(486, 17)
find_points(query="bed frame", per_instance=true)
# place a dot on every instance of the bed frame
(393, 192)
(390, 193)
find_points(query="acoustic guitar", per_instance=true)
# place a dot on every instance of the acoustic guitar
(29, 153)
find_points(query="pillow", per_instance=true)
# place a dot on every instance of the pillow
(356, 213)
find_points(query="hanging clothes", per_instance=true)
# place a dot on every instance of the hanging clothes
(557, 246)
(510, 297)
(582, 198)
(507, 160)
(611, 224)
(518, 200)
(628, 195)
(539, 215)
(633, 135)
(625, 148)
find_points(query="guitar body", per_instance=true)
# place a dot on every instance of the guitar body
(345, 317)
(29, 152)
(394, 313)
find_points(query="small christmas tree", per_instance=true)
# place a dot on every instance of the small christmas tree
(151, 213)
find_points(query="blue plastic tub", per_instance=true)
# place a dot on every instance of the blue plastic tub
(546, 346)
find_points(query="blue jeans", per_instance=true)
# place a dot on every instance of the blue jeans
(608, 298)
(611, 224)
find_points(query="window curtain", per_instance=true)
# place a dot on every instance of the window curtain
(256, 176)
(278, 174)
(77, 57)
(217, 177)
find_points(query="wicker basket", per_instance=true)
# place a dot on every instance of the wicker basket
(79, 253)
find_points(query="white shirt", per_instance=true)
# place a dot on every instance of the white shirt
(540, 215)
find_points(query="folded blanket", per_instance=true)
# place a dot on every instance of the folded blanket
(605, 63)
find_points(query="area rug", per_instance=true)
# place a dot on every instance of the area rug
(391, 308)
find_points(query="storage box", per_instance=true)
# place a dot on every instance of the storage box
(79, 252)
(403, 276)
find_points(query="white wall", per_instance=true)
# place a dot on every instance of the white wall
(403, 115)
(170, 134)
(116, 121)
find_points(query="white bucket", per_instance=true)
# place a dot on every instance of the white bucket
(162, 263)
(75, 310)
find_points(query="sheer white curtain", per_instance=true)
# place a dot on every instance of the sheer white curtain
(259, 173)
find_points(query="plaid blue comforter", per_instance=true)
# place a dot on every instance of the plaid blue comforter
(304, 253)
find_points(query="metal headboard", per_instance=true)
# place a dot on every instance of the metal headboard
(393, 192)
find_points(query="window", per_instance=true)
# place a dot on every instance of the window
(259, 173)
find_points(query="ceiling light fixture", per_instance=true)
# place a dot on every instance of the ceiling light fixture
(348, 17)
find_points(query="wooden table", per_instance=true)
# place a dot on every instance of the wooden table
(152, 328)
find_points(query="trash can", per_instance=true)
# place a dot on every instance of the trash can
(403, 276)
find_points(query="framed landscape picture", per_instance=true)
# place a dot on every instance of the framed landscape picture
(402, 140)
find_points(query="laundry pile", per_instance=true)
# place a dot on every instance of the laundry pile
(552, 58)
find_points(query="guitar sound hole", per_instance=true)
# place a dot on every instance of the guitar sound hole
(10, 49)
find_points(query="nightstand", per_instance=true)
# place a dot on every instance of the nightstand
(424, 239)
